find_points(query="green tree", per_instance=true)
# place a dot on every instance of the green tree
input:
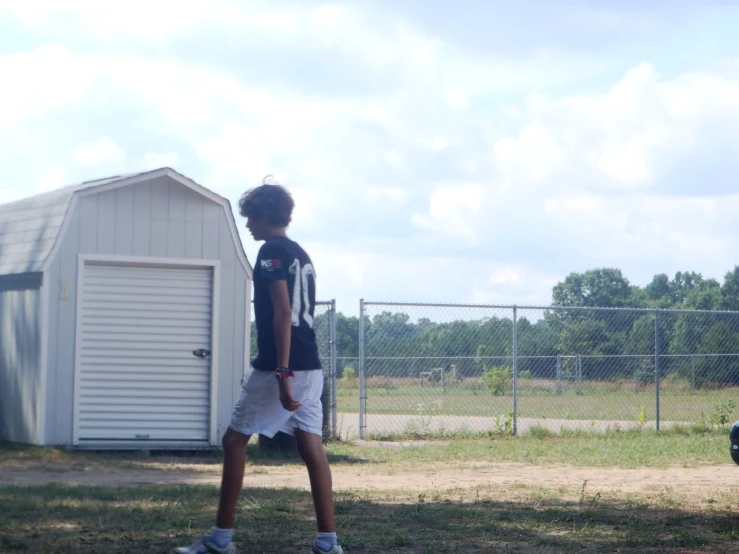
(730, 291)
(682, 284)
(705, 295)
(536, 340)
(585, 337)
(603, 288)
(595, 332)
(719, 340)
(658, 293)
(347, 336)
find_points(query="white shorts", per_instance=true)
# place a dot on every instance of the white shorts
(259, 410)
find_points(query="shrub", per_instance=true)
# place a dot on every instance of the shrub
(540, 432)
(645, 372)
(497, 379)
(349, 373)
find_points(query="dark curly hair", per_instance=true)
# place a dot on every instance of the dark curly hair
(270, 201)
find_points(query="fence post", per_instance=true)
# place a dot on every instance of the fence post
(362, 396)
(559, 374)
(578, 370)
(334, 403)
(692, 362)
(515, 372)
(656, 365)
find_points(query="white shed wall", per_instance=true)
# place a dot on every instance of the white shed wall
(20, 357)
(160, 218)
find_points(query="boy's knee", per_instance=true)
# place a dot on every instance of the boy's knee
(232, 439)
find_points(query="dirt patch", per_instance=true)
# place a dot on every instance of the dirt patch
(413, 478)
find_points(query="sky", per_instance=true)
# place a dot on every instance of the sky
(456, 151)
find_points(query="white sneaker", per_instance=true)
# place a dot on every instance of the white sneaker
(336, 549)
(206, 545)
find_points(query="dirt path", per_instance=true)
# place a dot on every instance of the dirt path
(420, 478)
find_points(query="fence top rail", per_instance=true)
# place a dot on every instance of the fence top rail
(549, 308)
(550, 357)
(318, 302)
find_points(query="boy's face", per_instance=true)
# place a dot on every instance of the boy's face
(257, 227)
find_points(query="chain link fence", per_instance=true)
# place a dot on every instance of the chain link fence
(427, 369)
(324, 325)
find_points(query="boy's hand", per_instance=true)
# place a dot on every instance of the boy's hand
(286, 397)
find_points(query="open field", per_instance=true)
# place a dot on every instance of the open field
(622, 492)
(616, 401)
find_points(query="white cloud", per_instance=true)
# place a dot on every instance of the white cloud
(386, 194)
(154, 160)
(530, 157)
(9, 196)
(453, 210)
(508, 276)
(147, 18)
(659, 231)
(103, 151)
(42, 80)
(626, 138)
(51, 179)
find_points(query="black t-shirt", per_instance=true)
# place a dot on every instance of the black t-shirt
(283, 259)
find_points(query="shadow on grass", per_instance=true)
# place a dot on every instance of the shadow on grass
(155, 518)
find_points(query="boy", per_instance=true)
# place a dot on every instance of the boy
(282, 389)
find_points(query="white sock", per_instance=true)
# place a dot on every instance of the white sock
(326, 541)
(222, 536)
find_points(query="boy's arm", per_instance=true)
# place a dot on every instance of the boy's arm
(283, 330)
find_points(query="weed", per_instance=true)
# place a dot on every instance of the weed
(540, 432)
(503, 424)
(722, 414)
(642, 419)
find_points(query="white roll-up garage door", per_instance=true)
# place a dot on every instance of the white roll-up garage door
(138, 377)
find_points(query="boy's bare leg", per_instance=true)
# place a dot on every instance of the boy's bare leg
(311, 450)
(234, 459)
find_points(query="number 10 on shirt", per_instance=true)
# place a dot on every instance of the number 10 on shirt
(301, 293)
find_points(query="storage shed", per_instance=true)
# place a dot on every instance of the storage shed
(124, 314)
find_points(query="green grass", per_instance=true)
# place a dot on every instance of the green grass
(55, 519)
(685, 447)
(629, 449)
(611, 401)
(506, 518)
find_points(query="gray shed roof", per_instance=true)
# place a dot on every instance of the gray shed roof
(29, 227)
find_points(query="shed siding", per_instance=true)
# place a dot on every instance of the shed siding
(81, 233)
(20, 358)
(159, 218)
(227, 334)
